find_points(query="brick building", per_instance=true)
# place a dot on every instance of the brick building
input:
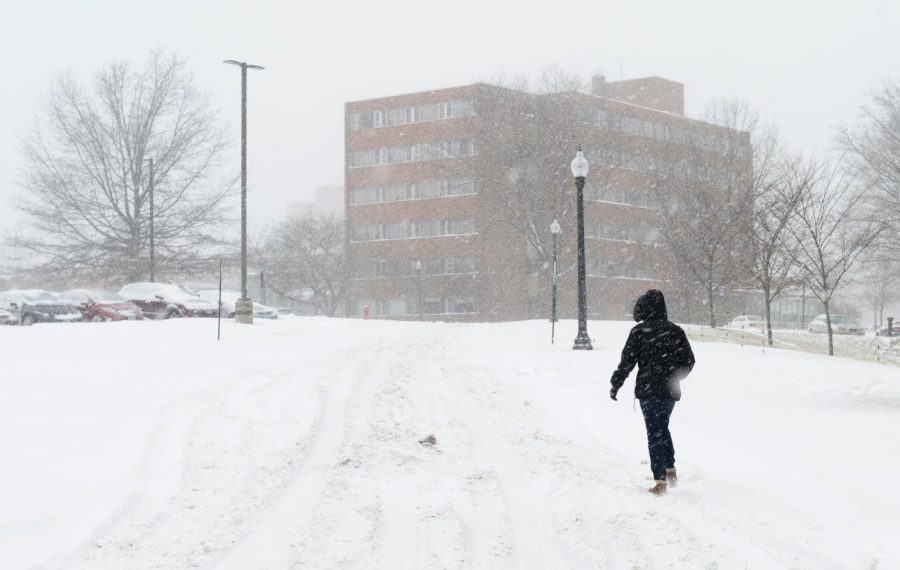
(450, 194)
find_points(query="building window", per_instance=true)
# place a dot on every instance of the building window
(430, 112)
(461, 305)
(421, 190)
(364, 157)
(462, 147)
(366, 232)
(461, 108)
(397, 116)
(412, 229)
(368, 195)
(415, 114)
(460, 187)
(460, 264)
(398, 154)
(417, 152)
(397, 230)
(395, 193)
(622, 269)
(392, 307)
(460, 227)
(430, 189)
(594, 306)
(639, 232)
(427, 228)
(619, 195)
(432, 306)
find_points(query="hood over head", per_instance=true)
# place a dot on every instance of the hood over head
(651, 306)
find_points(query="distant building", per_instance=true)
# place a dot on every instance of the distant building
(416, 191)
(329, 202)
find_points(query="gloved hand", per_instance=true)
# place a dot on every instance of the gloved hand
(612, 393)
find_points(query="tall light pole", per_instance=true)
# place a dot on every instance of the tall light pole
(554, 229)
(243, 308)
(152, 251)
(419, 288)
(579, 170)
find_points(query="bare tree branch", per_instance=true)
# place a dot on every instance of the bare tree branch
(85, 192)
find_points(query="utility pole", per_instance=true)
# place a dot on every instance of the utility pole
(152, 251)
(243, 312)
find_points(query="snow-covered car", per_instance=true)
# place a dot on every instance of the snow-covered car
(168, 300)
(840, 324)
(32, 306)
(754, 322)
(98, 305)
(8, 318)
(229, 299)
(883, 331)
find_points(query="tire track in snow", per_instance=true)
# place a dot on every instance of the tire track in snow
(215, 431)
(361, 520)
(291, 528)
(504, 532)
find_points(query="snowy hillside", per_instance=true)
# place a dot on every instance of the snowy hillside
(295, 444)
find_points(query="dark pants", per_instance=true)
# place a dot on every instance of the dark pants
(659, 440)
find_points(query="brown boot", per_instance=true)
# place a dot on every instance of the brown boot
(658, 489)
(672, 477)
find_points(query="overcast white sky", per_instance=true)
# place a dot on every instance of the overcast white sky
(805, 65)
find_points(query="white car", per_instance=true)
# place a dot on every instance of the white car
(840, 324)
(8, 317)
(753, 322)
(229, 300)
(32, 306)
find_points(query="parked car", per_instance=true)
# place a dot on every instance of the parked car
(99, 305)
(229, 299)
(840, 324)
(36, 306)
(168, 300)
(754, 322)
(8, 318)
(883, 331)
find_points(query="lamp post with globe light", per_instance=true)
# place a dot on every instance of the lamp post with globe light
(579, 170)
(555, 229)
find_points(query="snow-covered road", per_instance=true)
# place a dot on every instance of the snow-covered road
(295, 444)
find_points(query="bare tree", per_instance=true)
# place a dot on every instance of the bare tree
(86, 195)
(829, 234)
(705, 191)
(772, 255)
(301, 255)
(873, 149)
(879, 286)
(528, 135)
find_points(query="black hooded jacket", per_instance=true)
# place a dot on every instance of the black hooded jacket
(659, 348)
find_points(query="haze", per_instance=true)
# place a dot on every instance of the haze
(807, 66)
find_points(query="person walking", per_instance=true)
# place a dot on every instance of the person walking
(663, 355)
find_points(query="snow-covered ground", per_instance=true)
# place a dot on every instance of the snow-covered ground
(295, 444)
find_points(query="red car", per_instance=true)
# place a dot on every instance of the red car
(98, 305)
(168, 300)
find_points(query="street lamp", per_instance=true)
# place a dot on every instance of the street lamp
(243, 308)
(152, 251)
(579, 170)
(419, 288)
(554, 229)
